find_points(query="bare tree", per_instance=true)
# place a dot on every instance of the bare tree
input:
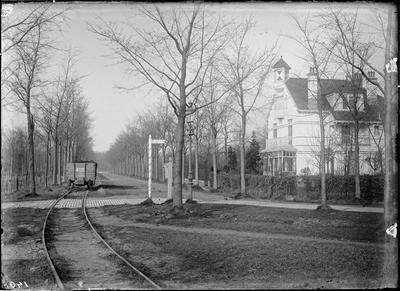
(215, 113)
(318, 57)
(375, 160)
(17, 30)
(175, 59)
(58, 104)
(31, 58)
(163, 123)
(353, 51)
(245, 71)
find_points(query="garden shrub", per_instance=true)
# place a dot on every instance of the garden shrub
(372, 187)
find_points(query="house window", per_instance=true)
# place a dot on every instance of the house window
(279, 75)
(348, 102)
(290, 131)
(281, 162)
(345, 134)
(351, 102)
(275, 130)
(377, 131)
(331, 137)
(364, 136)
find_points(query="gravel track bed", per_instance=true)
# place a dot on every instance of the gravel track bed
(81, 260)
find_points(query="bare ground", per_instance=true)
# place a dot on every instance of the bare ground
(215, 246)
(220, 246)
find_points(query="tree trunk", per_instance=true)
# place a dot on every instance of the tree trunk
(139, 166)
(31, 150)
(196, 161)
(65, 161)
(180, 137)
(322, 130)
(55, 160)
(357, 161)
(59, 162)
(163, 160)
(242, 154)
(323, 175)
(226, 149)
(136, 172)
(390, 269)
(143, 158)
(214, 159)
(183, 165)
(180, 130)
(156, 164)
(46, 170)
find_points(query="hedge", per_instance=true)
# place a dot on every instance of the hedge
(303, 187)
(260, 186)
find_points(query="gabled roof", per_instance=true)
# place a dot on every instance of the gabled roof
(298, 89)
(281, 64)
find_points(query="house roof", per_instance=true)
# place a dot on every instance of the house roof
(281, 64)
(370, 114)
(299, 91)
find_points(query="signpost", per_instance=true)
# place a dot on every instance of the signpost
(154, 141)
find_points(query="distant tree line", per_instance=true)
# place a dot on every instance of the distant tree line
(58, 117)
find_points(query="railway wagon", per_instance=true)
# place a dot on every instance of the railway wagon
(81, 173)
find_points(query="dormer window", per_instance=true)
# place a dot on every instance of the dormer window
(348, 102)
(351, 102)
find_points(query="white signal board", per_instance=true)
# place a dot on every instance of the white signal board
(158, 141)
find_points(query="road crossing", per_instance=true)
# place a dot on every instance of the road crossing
(77, 203)
(91, 203)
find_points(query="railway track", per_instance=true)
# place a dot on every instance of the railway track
(80, 258)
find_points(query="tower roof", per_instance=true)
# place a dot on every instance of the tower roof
(281, 64)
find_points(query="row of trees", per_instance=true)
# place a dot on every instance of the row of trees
(58, 117)
(196, 58)
(213, 149)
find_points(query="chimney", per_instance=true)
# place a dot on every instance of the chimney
(371, 89)
(312, 88)
(371, 75)
(358, 79)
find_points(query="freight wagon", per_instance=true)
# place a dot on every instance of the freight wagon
(81, 173)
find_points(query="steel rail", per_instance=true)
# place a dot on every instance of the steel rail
(53, 269)
(111, 249)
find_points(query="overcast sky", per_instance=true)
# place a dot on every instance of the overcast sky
(111, 107)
